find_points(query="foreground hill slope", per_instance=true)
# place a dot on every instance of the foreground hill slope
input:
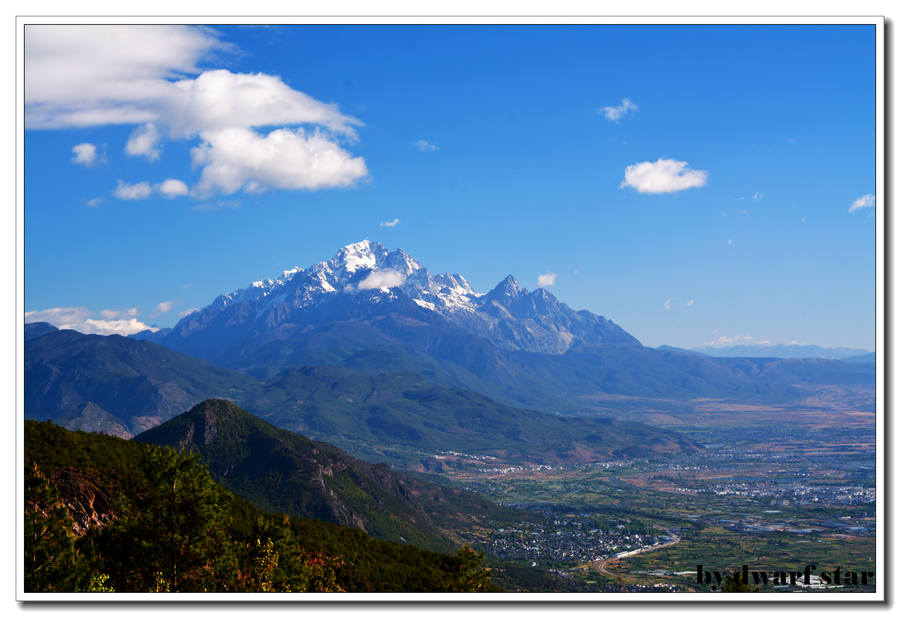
(106, 514)
(282, 471)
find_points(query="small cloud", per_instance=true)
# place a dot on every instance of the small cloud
(382, 279)
(803, 219)
(393, 223)
(722, 341)
(689, 303)
(615, 113)
(758, 196)
(663, 176)
(546, 280)
(132, 192)
(118, 314)
(81, 319)
(744, 211)
(667, 304)
(730, 241)
(85, 154)
(866, 201)
(426, 146)
(188, 312)
(144, 141)
(164, 307)
(96, 201)
(172, 188)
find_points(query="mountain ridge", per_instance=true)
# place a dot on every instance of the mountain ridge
(284, 471)
(510, 316)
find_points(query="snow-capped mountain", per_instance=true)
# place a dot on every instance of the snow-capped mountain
(365, 281)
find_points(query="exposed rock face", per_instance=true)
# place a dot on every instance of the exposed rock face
(87, 503)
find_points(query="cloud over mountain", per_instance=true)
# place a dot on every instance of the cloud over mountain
(79, 318)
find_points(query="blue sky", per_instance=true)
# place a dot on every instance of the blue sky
(713, 205)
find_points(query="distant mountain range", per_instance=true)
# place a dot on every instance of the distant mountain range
(378, 311)
(123, 386)
(780, 351)
(365, 280)
(371, 352)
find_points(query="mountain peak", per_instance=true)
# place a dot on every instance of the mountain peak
(201, 425)
(363, 254)
(507, 288)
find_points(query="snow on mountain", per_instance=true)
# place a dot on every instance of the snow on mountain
(509, 315)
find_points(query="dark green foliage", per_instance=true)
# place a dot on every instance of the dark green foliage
(735, 584)
(173, 536)
(471, 575)
(174, 529)
(52, 563)
(284, 472)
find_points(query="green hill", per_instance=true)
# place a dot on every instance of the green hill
(405, 418)
(106, 514)
(282, 471)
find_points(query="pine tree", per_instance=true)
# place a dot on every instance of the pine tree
(52, 563)
(174, 538)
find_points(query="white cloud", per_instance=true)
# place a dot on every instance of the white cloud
(241, 159)
(758, 196)
(393, 223)
(667, 304)
(164, 307)
(615, 113)
(81, 319)
(725, 340)
(426, 146)
(85, 154)
(118, 314)
(188, 312)
(79, 76)
(546, 280)
(96, 201)
(866, 201)
(663, 176)
(730, 241)
(172, 188)
(689, 303)
(140, 190)
(382, 279)
(144, 141)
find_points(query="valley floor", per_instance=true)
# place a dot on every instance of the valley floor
(771, 495)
